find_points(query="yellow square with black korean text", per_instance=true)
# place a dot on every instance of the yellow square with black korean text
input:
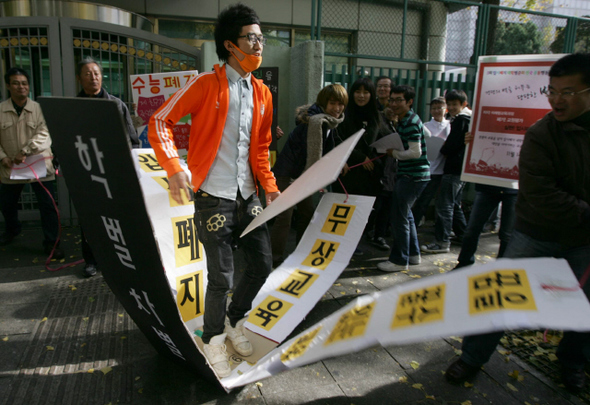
(338, 219)
(299, 346)
(351, 324)
(322, 254)
(149, 163)
(187, 247)
(190, 295)
(500, 290)
(420, 306)
(163, 182)
(269, 312)
(298, 283)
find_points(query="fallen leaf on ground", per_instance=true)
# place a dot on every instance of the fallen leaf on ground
(512, 387)
(415, 276)
(106, 370)
(466, 403)
(259, 384)
(91, 371)
(403, 379)
(5, 338)
(49, 348)
(415, 365)
(417, 386)
(43, 320)
(467, 384)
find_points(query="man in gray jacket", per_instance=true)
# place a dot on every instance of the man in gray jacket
(23, 133)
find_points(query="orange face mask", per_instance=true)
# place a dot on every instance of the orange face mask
(250, 62)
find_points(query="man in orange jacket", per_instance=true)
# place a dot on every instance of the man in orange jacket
(228, 153)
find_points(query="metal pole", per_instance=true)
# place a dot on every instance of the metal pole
(312, 32)
(319, 25)
(404, 28)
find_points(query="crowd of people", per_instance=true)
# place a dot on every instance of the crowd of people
(229, 142)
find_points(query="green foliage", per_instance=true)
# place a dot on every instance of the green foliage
(517, 39)
(582, 43)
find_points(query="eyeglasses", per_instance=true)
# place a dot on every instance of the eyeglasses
(397, 100)
(253, 38)
(566, 95)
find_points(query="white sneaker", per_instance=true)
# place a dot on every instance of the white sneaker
(216, 354)
(415, 259)
(391, 267)
(240, 342)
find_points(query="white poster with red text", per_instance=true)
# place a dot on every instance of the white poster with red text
(508, 100)
(150, 91)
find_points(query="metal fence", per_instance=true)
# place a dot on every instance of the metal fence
(419, 41)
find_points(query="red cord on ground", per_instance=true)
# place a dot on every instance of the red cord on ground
(47, 267)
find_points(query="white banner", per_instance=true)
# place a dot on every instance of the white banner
(503, 295)
(508, 100)
(149, 92)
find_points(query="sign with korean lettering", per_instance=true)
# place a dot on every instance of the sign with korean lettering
(421, 306)
(130, 224)
(149, 92)
(500, 290)
(190, 295)
(508, 100)
(102, 178)
(440, 306)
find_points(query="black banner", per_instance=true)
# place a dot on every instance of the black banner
(90, 141)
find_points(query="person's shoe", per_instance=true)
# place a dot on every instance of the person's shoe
(358, 252)
(6, 238)
(238, 340)
(415, 259)
(89, 270)
(216, 354)
(459, 372)
(391, 267)
(380, 243)
(574, 379)
(434, 248)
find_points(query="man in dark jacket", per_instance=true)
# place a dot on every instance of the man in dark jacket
(89, 75)
(552, 208)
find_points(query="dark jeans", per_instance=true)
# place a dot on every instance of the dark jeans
(87, 254)
(9, 195)
(483, 206)
(218, 222)
(282, 225)
(449, 215)
(382, 217)
(574, 349)
(422, 203)
(405, 243)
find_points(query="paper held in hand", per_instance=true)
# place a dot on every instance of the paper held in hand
(391, 141)
(34, 164)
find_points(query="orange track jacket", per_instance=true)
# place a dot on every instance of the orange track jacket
(206, 98)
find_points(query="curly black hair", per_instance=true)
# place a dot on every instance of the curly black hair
(229, 26)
